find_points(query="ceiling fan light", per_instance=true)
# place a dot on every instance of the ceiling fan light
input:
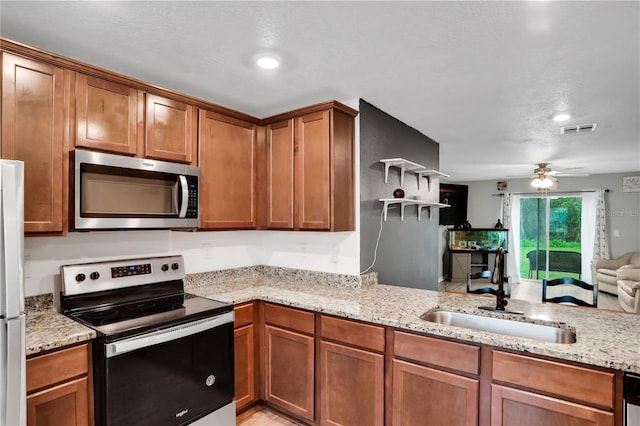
(544, 183)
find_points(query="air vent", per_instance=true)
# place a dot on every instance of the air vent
(580, 128)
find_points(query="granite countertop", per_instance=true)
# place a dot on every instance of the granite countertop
(47, 329)
(605, 339)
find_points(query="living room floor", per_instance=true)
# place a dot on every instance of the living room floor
(532, 291)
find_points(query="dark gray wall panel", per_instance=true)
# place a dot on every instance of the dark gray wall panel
(408, 250)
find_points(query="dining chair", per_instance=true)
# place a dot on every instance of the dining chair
(490, 287)
(571, 293)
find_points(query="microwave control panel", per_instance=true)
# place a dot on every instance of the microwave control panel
(192, 206)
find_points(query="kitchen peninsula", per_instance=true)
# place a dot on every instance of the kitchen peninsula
(333, 312)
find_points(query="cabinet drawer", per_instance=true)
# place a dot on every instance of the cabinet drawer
(243, 315)
(46, 370)
(516, 407)
(456, 356)
(293, 319)
(354, 333)
(578, 383)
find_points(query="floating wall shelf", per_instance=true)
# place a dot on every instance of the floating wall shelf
(429, 206)
(409, 166)
(428, 174)
(402, 164)
(409, 202)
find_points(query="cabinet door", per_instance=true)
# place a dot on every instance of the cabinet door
(244, 366)
(460, 266)
(280, 190)
(423, 395)
(520, 408)
(352, 386)
(34, 116)
(313, 178)
(289, 371)
(63, 405)
(170, 130)
(107, 115)
(227, 169)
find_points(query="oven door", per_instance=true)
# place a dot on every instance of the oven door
(171, 376)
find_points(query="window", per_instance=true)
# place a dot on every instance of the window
(550, 237)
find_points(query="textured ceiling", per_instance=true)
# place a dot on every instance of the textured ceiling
(481, 78)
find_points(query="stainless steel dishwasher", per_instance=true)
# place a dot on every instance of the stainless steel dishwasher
(632, 399)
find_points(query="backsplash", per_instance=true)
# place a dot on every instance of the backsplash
(39, 303)
(266, 271)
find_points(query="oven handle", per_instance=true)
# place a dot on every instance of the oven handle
(166, 335)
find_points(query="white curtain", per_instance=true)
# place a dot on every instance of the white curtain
(511, 209)
(595, 245)
(601, 244)
(587, 234)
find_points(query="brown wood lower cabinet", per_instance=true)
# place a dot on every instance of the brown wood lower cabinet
(532, 391)
(352, 386)
(246, 371)
(289, 371)
(337, 366)
(423, 395)
(62, 405)
(512, 407)
(58, 388)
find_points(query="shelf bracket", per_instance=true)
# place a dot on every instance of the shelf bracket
(428, 174)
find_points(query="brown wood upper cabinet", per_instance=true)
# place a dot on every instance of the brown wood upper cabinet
(34, 119)
(107, 115)
(170, 130)
(111, 117)
(280, 173)
(310, 169)
(226, 155)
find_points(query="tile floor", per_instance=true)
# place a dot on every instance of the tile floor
(261, 415)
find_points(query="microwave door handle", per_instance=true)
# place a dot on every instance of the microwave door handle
(184, 199)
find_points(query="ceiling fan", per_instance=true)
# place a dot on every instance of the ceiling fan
(544, 177)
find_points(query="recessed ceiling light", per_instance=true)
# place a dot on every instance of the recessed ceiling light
(268, 62)
(561, 117)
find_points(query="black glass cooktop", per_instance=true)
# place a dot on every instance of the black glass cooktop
(120, 320)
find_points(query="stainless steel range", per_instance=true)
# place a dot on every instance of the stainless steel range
(162, 356)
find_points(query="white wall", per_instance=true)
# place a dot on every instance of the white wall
(202, 251)
(623, 208)
(334, 252)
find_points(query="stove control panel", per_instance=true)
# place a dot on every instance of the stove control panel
(117, 274)
(129, 270)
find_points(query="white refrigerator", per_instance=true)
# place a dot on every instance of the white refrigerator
(12, 338)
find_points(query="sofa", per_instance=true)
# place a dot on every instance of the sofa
(607, 270)
(629, 288)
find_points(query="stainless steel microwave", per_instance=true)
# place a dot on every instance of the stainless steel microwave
(118, 192)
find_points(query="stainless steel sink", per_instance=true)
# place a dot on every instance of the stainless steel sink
(529, 330)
